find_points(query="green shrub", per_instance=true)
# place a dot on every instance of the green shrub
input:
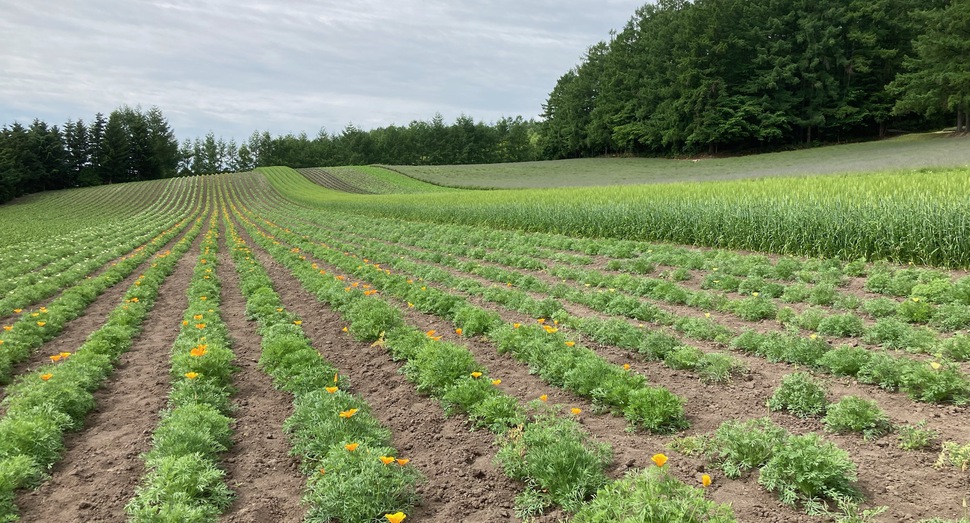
(951, 317)
(936, 383)
(955, 455)
(880, 307)
(163, 494)
(915, 310)
(557, 460)
(799, 394)
(740, 446)
(806, 469)
(655, 492)
(369, 318)
(916, 437)
(843, 325)
(754, 308)
(474, 320)
(655, 409)
(845, 360)
(854, 414)
(883, 370)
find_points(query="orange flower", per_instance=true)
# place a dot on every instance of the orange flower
(198, 352)
(8, 327)
(370, 292)
(41, 323)
(323, 471)
(626, 366)
(351, 446)
(458, 331)
(396, 517)
(706, 480)
(331, 390)
(550, 329)
(46, 377)
(387, 460)
(570, 343)
(55, 358)
(191, 375)
(659, 459)
(496, 382)
(341, 277)
(516, 325)
(476, 374)
(185, 322)
(575, 411)
(348, 413)
(540, 321)
(544, 398)
(197, 317)
(200, 325)
(65, 355)
(403, 461)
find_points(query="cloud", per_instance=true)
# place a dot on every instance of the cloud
(291, 66)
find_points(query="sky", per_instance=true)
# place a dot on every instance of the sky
(291, 66)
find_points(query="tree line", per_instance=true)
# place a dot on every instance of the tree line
(129, 145)
(431, 142)
(713, 75)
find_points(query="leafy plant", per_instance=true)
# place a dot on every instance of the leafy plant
(807, 469)
(854, 414)
(916, 437)
(799, 394)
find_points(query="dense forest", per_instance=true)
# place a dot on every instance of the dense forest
(715, 75)
(681, 77)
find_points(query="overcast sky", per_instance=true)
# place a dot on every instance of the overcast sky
(288, 65)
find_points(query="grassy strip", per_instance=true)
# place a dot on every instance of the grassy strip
(42, 405)
(18, 341)
(183, 482)
(354, 474)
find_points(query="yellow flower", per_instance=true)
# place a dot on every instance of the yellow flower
(755, 294)
(707, 315)
(916, 300)
(575, 411)
(351, 446)
(540, 321)
(496, 382)
(297, 322)
(200, 325)
(396, 517)
(626, 366)
(550, 329)
(41, 323)
(17, 311)
(65, 354)
(8, 327)
(191, 375)
(410, 305)
(344, 329)
(659, 459)
(34, 314)
(706, 480)
(198, 352)
(570, 343)
(516, 325)
(331, 390)
(403, 461)
(348, 413)
(458, 331)
(476, 374)
(935, 365)
(543, 398)
(203, 298)
(387, 460)
(46, 377)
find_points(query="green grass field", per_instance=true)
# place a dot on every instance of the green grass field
(904, 152)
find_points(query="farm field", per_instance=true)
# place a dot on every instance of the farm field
(915, 151)
(351, 345)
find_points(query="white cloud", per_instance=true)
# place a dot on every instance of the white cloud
(290, 65)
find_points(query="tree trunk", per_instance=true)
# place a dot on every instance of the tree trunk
(959, 119)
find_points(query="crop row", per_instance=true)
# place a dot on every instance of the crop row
(41, 405)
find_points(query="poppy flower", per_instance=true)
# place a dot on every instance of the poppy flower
(659, 459)
(351, 446)
(626, 366)
(496, 382)
(935, 365)
(550, 329)
(516, 325)
(403, 461)
(65, 354)
(197, 317)
(458, 331)
(8, 327)
(46, 377)
(17, 311)
(191, 375)
(344, 329)
(476, 374)
(387, 460)
(200, 325)
(198, 352)
(570, 343)
(41, 323)
(575, 411)
(55, 358)
(323, 471)
(540, 321)
(706, 480)
(331, 390)
(396, 517)
(348, 413)
(544, 398)
(297, 322)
